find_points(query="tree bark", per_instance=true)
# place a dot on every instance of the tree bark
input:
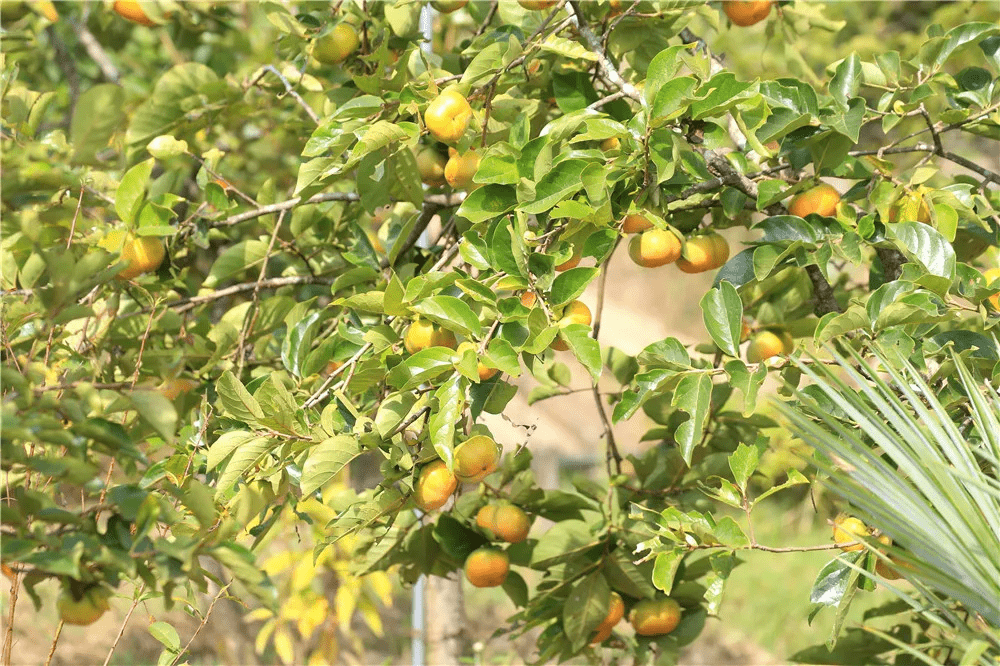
(445, 613)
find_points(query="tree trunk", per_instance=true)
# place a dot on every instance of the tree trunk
(445, 613)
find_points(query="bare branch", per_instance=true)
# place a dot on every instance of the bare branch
(594, 44)
(822, 292)
(291, 91)
(95, 51)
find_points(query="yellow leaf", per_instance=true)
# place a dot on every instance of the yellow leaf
(344, 603)
(381, 586)
(258, 614)
(279, 562)
(304, 573)
(313, 616)
(317, 659)
(370, 615)
(263, 635)
(292, 608)
(283, 647)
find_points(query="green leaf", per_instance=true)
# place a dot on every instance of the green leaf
(226, 444)
(236, 400)
(937, 50)
(98, 114)
(626, 576)
(234, 260)
(722, 311)
(585, 348)
(392, 411)
(488, 202)
(456, 539)
(925, 244)
(665, 569)
(325, 461)
(846, 81)
(662, 70)
(720, 93)
(585, 607)
(738, 270)
(241, 563)
(748, 383)
(561, 542)
(243, 458)
(671, 98)
(832, 580)
(516, 589)
(450, 312)
(563, 180)
(569, 284)
(166, 634)
(450, 399)
(743, 462)
(197, 498)
(380, 135)
(729, 533)
(131, 191)
(298, 341)
(692, 395)
(178, 100)
(795, 478)
(154, 408)
(423, 366)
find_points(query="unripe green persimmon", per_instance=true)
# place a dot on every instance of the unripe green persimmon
(334, 47)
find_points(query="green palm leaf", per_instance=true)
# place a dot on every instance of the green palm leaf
(919, 459)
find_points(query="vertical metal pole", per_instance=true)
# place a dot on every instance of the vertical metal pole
(418, 644)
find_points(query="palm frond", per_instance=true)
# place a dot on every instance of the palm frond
(921, 464)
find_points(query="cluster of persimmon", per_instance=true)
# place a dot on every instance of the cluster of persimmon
(652, 247)
(446, 118)
(475, 459)
(649, 617)
(488, 566)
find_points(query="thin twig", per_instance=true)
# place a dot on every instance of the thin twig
(489, 18)
(251, 319)
(291, 91)
(323, 391)
(55, 640)
(408, 422)
(427, 213)
(594, 44)
(185, 304)
(8, 637)
(128, 616)
(612, 446)
(825, 301)
(443, 200)
(201, 626)
(605, 100)
(94, 50)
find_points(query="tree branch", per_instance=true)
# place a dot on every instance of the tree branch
(427, 213)
(291, 91)
(594, 44)
(822, 292)
(95, 51)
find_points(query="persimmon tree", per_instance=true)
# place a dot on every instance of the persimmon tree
(371, 246)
